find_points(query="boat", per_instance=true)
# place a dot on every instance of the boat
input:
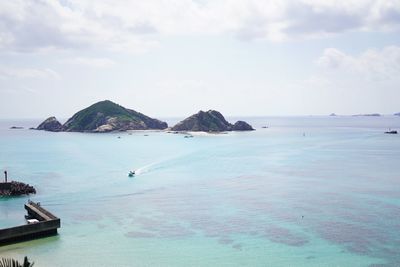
(391, 132)
(32, 221)
(131, 173)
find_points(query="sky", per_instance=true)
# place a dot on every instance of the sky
(173, 58)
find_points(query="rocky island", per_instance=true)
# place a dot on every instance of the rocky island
(104, 116)
(397, 114)
(50, 124)
(210, 121)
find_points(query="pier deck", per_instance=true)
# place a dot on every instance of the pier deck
(47, 225)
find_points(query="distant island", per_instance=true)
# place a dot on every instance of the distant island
(210, 121)
(107, 116)
(368, 115)
(16, 127)
(332, 115)
(104, 116)
(397, 114)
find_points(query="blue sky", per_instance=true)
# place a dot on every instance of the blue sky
(173, 58)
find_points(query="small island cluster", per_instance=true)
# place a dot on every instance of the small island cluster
(107, 116)
(366, 115)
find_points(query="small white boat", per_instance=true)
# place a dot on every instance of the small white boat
(32, 221)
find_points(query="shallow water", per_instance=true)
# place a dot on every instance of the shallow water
(307, 191)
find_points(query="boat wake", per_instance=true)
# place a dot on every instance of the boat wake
(145, 168)
(157, 165)
(171, 161)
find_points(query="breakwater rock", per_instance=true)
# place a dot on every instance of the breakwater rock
(15, 188)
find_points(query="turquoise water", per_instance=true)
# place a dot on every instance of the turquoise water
(308, 191)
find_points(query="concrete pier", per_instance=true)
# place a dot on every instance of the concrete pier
(46, 225)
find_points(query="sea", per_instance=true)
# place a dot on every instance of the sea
(304, 191)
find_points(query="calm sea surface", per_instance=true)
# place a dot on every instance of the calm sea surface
(307, 191)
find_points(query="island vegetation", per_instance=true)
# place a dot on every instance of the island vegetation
(104, 116)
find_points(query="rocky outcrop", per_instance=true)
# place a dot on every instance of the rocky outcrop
(50, 124)
(106, 116)
(242, 126)
(210, 121)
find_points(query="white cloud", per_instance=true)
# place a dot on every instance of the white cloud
(371, 64)
(27, 73)
(27, 26)
(18, 90)
(181, 85)
(136, 25)
(352, 84)
(92, 62)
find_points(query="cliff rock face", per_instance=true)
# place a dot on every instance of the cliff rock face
(50, 124)
(106, 116)
(210, 121)
(150, 123)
